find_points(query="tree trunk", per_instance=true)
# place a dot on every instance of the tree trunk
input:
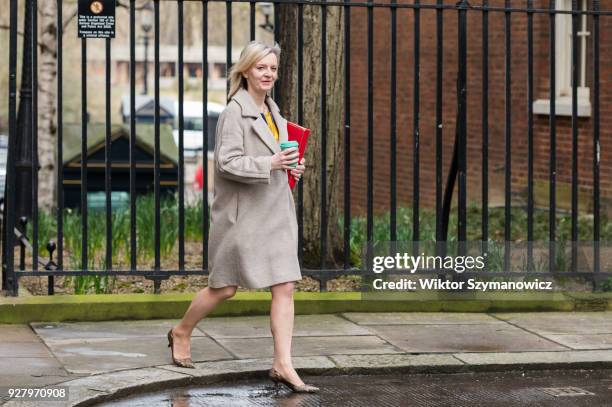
(311, 118)
(47, 98)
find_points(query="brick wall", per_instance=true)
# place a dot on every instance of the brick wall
(497, 153)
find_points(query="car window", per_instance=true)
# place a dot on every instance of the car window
(193, 123)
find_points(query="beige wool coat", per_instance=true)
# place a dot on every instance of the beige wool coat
(253, 232)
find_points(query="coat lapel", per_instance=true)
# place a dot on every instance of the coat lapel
(263, 131)
(260, 126)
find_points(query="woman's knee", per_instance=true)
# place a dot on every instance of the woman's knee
(224, 292)
(284, 289)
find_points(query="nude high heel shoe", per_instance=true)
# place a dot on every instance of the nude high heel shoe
(188, 363)
(276, 377)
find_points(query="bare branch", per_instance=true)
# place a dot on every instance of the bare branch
(69, 20)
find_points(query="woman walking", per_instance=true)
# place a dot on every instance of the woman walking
(253, 233)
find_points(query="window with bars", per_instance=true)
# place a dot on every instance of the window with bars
(563, 58)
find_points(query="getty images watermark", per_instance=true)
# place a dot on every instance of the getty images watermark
(458, 264)
(410, 266)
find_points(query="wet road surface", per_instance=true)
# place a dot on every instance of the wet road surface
(591, 388)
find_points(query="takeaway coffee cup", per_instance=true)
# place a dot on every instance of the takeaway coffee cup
(289, 144)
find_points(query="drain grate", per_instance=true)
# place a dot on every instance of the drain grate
(565, 391)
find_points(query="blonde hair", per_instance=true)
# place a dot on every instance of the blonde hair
(253, 52)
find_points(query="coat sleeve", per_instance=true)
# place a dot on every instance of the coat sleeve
(232, 163)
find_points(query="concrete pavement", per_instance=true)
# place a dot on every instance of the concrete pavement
(101, 360)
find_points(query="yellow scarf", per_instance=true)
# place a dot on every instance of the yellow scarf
(271, 125)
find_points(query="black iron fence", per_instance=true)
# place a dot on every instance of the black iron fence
(24, 127)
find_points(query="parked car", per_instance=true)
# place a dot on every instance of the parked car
(193, 126)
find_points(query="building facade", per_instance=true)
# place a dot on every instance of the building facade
(519, 130)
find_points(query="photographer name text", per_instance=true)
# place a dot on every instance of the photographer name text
(470, 284)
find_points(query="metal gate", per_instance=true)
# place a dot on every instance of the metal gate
(23, 125)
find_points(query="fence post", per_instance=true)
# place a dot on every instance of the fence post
(8, 265)
(461, 132)
(462, 124)
(23, 149)
(596, 150)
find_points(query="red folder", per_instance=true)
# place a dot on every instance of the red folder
(300, 134)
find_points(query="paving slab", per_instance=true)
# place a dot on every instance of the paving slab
(412, 318)
(533, 358)
(23, 350)
(102, 355)
(31, 371)
(303, 346)
(562, 322)
(108, 329)
(388, 361)
(462, 338)
(596, 341)
(17, 333)
(259, 326)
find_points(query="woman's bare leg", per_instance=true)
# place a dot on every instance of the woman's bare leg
(204, 302)
(281, 324)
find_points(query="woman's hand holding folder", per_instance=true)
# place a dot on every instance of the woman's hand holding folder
(299, 170)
